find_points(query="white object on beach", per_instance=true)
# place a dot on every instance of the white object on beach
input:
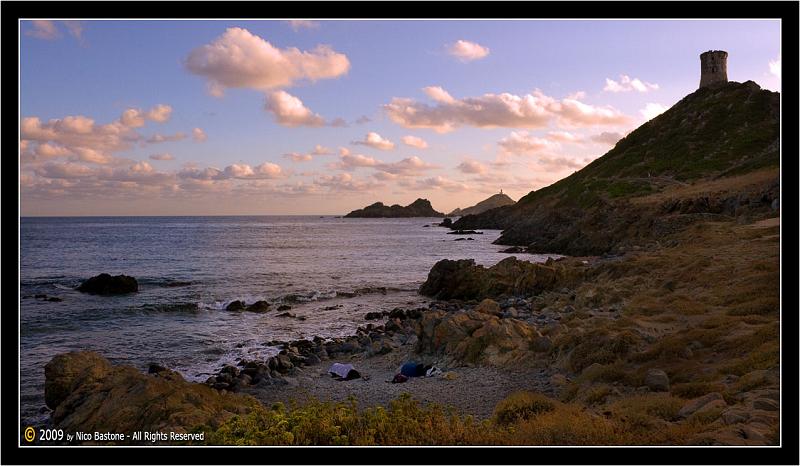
(433, 371)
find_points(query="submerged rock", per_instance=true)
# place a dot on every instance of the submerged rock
(105, 284)
(258, 306)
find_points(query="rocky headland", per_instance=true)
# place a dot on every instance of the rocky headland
(418, 208)
(494, 201)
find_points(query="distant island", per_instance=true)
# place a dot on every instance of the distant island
(497, 200)
(418, 208)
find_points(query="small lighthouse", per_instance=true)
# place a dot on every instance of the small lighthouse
(713, 68)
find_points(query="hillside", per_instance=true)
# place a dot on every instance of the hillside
(418, 208)
(497, 200)
(727, 131)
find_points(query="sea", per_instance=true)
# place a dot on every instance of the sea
(330, 270)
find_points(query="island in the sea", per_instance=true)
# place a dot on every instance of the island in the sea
(496, 200)
(418, 208)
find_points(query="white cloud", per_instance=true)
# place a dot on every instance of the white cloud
(160, 113)
(298, 157)
(467, 51)
(564, 136)
(266, 170)
(199, 135)
(157, 138)
(775, 67)
(75, 28)
(375, 141)
(164, 156)
(80, 139)
(414, 141)
(530, 111)
(321, 150)
(240, 59)
(407, 166)
(607, 137)
(626, 84)
(290, 111)
(652, 110)
(43, 29)
(298, 24)
(522, 142)
(472, 167)
(349, 161)
(438, 94)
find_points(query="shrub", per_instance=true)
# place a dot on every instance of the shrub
(521, 406)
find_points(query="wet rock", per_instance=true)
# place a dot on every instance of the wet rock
(286, 314)
(373, 315)
(155, 368)
(258, 306)
(657, 380)
(236, 306)
(447, 222)
(105, 284)
(465, 232)
(514, 250)
(284, 307)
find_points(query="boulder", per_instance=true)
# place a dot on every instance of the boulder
(696, 404)
(258, 306)
(88, 394)
(463, 279)
(236, 306)
(105, 284)
(657, 380)
(474, 337)
(489, 306)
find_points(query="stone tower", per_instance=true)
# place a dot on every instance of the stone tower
(713, 67)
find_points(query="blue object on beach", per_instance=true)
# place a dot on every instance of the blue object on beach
(412, 369)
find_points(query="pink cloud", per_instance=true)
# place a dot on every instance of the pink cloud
(240, 59)
(506, 110)
(467, 51)
(414, 141)
(375, 141)
(290, 111)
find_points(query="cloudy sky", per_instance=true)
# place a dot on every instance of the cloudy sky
(322, 117)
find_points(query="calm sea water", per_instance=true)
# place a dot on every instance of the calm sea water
(330, 270)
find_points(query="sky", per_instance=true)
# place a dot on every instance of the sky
(303, 117)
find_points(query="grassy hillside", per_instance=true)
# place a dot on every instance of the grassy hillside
(725, 131)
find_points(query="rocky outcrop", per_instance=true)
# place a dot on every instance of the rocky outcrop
(105, 284)
(418, 208)
(462, 279)
(497, 200)
(89, 394)
(473, 337)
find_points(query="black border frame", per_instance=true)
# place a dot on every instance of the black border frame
(787, 454)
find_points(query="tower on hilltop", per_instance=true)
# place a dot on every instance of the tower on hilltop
(713, 67)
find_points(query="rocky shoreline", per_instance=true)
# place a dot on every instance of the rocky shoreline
(640, 341)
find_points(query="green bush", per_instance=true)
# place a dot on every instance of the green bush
(521, 406)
